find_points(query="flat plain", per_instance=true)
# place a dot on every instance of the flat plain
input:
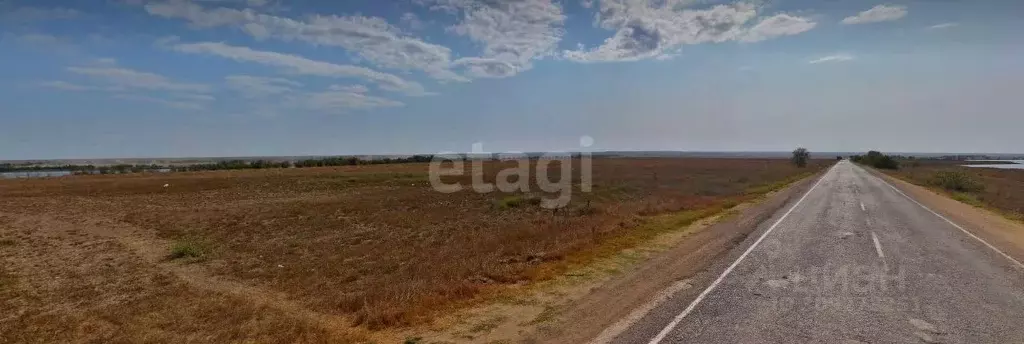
(320, 254)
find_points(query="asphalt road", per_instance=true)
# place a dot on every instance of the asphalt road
(853, 261)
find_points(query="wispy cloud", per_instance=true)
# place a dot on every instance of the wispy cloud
(372, 38)
(778, 25)
(257, 86)
(832, 58)
(876, 14)
(64, 86)
(337, 99)
(511, 33)
(943, 26)
(657, 30)
(301, 65)
(178, 104)
(129, 78)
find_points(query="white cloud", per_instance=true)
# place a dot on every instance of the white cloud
(336, 99)
(128, 78)
(256, 87)
(300, 65)
(179, 104)
(412, 21)
(648, 29)
(943, 26)
(64, 85)
(488, 68)
(371, 38)
(512, 33)
(832, 58)
(876, 14)
(350, 88)
(121, 80)
(778, 25)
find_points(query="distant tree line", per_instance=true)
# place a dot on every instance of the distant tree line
(233, 165)
(351, 161)
(220, 165)
(322, 162)
(877, 160)
(9, 167)
(120, 168)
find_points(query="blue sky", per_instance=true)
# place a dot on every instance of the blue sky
(141, 78)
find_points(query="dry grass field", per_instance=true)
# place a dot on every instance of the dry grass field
(999, 189)
(319, 254)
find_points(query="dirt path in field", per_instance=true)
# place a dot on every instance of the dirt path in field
(150, 254)
(153, 250)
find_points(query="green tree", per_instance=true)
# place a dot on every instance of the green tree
(801, 156)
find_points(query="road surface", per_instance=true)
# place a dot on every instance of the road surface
(853, 261)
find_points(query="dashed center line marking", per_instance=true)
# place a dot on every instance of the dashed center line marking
(862, 207)
(878, 247)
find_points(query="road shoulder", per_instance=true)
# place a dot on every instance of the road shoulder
(681, 271)
(1004, 234)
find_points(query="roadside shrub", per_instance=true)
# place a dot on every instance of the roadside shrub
(516, 201)
(956, 181)
(968, 199)
(186, 249)
(877, 160)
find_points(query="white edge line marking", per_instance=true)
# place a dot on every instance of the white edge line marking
(878, 247)
(609, 334)
(668, 328)
(1019, 264)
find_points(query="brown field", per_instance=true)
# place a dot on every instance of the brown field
(998, 189)
(322, 254)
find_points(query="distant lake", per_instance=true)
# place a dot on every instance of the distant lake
(59, 173)
(1018, 166)
(34, 174)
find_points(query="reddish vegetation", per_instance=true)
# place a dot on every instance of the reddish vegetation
(373, 245)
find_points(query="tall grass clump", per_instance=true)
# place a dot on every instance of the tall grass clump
(187, 249)
(959, 181)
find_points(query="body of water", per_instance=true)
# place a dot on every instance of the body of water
(34, 174)
(62, 173)
(981, 164)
